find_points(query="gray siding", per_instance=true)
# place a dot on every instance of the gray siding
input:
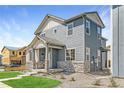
(76, 40)
(61, 54)
(93, 43)
(118, 42)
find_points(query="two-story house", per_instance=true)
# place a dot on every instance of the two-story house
(73, 45)
(13, 55)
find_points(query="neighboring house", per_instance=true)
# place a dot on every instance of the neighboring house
(118, 41)
(73, 45)
(109, 57)
(13, 55)
(1, 58)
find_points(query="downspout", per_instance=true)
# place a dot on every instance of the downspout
(84, 21)
(118, 41)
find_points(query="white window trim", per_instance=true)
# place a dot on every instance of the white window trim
(98, 35)
(72, 29)
(88, 53)
(70, 49)
(43, 33)
(88, 26)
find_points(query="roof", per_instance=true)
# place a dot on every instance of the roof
(87, 14)
(32, 42)
(11, 48)
(58, 19)
(103, 38)
(52, 41)
(63, 21)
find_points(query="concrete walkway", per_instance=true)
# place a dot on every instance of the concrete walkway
(2, 85)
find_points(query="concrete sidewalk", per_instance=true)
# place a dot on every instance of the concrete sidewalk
(2, 85)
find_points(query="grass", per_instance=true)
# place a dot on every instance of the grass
(8, 74)
(32, 82)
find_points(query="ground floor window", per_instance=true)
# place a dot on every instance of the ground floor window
(98, 57)
(87, 54)
(70, 54)
(30, 55)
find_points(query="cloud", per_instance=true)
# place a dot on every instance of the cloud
(15, 25)
(23, 13)
(8, 39)
(6, 25)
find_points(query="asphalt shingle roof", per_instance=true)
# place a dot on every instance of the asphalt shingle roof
(12, 48)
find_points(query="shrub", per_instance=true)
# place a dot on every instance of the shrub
(97, 82)
(113, 83)
(72, 79)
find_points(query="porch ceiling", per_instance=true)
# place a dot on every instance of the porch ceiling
(52, 41)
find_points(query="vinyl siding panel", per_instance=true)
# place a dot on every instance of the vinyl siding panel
(121, 41)
(115, 43)
(93, 43)
(76, 40)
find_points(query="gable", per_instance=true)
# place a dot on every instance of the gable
(95, 18)
(50, 24)
(46, 20)
(5, 50)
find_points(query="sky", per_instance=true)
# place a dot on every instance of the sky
(18, 23)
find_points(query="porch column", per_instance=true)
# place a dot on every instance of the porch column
(46, 59)
(33, 58)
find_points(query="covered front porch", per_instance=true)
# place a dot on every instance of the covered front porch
(46, 56)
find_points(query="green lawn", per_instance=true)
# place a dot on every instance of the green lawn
(32, 82)
(8, 74)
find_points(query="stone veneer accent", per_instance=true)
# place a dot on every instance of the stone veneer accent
(69, 66)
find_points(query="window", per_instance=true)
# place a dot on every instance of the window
(55, 30)
(43, 35)
(13, 52)
(23, 53)
(88, 27)
(99, 32)
(87, 54)
(19, 53)
(70, 29)
(30, 55)
(70, 54)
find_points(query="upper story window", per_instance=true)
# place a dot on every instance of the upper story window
(55, 30)
(13, 52)
(43, 34)
(98, 30)
(19, 53)
(88, 27)
(23, 53)
(70, 54)
(70, 29)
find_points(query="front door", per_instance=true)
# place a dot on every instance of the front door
(54, 58)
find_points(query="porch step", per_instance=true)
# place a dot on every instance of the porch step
(55, 70)
(44, 71)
